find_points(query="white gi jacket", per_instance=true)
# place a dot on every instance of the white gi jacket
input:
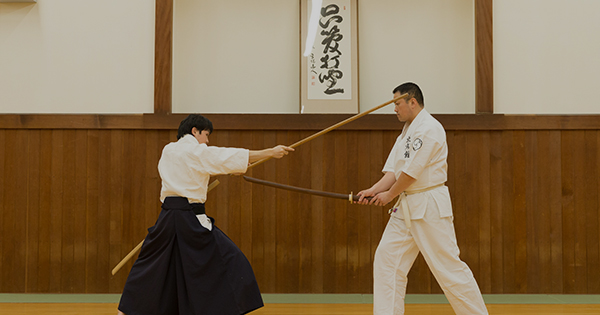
(420, 151)
(185, 168)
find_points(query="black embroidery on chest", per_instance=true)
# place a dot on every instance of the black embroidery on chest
(407, 148)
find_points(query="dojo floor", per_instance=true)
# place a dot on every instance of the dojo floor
(313, 304)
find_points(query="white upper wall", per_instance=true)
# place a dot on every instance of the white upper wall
(74, 56)
(546, 56)
(428, 42)
(236, 56)
(242, 56)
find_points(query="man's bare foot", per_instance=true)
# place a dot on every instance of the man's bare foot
(120, 313)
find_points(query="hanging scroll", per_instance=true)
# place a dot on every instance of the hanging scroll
(328, 73)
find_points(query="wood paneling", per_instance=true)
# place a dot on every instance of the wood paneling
(526, 205)
(72, 205)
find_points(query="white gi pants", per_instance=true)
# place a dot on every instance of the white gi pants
(397, 251)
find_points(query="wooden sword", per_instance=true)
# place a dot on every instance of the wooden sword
(350, 197)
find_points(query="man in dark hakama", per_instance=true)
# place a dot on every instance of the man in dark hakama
(187, 265)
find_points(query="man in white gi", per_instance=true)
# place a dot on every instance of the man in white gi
(421, 220)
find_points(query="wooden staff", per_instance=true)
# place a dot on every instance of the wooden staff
(137, 248)
(326, 130)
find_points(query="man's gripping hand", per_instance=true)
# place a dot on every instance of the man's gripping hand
(280, 151)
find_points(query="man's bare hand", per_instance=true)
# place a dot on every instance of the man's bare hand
(363, 194)
(280, 151)
(382, 199)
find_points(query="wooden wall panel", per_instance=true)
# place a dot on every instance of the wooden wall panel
(526, 203)
(316, 217)
(33, 209)
(592, 202)
(14, 213)
(496, 281)
(3, 229)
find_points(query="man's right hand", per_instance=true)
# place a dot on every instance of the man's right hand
(280, 151)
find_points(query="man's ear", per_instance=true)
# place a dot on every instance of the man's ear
(194, 131)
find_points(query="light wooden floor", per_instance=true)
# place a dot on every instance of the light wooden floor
(309, 309)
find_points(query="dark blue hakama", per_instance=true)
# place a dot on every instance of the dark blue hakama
(183, 268)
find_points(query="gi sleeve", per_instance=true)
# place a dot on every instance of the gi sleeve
(220, 161)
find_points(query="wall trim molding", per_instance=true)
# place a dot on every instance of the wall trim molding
(296, 121)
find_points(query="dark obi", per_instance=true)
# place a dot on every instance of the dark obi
(183, 268)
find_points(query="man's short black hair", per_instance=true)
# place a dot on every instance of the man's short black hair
(413, 90)
(194, 120)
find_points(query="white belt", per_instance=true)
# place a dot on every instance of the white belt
(404, 203)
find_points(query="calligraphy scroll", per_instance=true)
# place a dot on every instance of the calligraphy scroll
(329, 73)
